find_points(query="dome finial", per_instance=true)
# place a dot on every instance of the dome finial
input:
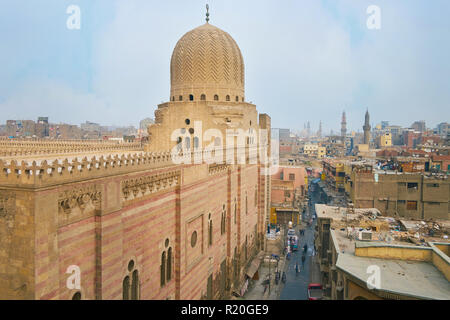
(207, 13)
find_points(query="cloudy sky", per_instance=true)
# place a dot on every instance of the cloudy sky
(305, 59)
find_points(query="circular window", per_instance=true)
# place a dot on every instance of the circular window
(193, 239)
(191, 130)
(130, 265)
(187, 121)
(166, 243)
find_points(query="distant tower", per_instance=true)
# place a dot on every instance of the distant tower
(308, 129)
(319, 133)
(367, 128)
(343, 126)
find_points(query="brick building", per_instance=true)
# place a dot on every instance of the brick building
(136, 224)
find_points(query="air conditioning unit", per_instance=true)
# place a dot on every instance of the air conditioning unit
(365, 235)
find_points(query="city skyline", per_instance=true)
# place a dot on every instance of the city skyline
(97, 74)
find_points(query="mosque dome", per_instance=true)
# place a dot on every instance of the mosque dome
(207, 64)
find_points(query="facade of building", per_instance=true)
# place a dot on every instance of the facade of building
(350, 260)
(413, 195)
(289, 188)
(135, 224)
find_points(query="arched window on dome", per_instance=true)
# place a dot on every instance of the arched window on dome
(203, 97)
(191, 97)
(237, 99)
(196, 142)
(228, 98)
(180, 98)
(216, 97)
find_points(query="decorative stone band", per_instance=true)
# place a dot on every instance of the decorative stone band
(79, 198)
(56, 172)
(217, 168)
(140, 187)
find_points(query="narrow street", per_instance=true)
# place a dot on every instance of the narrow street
(296, 286)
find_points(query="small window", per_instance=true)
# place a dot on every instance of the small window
(173, 98)
(291, 176)
(237, 99)
(287, 194)
(216, 97)
(203, 97)
(187, 121)
(180, 98)
(413, 185)
(191, 97)
(242, 99)
(433, 185)
(228, 98)
(411, 205)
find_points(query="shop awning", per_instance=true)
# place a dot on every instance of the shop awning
(254, 266)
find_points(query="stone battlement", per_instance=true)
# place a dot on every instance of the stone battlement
(46, 173)
(13, 148)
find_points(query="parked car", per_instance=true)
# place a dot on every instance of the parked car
(315, 291)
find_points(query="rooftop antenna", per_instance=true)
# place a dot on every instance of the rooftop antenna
(207, 13)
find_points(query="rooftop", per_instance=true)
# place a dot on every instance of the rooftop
(399, 276)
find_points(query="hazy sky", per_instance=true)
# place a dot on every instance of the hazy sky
(304, 59)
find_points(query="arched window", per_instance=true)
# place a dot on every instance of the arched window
(228, 98)
(135, 286)
(235, 211)
(130, 285)
(188, 143)
(223, 221)
(163, 269)
(216, 97)
(191, 97)
(126, 288)
(237, 99)
(195, 142)
(203, 97)
(179, 143)
(169, 264)
(180, 98)
(173, 98)
(210, 233)
(77, 296)
(242, 99)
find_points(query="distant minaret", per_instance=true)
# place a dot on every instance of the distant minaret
(343, 126)
(308, 129)
(319, 133)
(367, 128)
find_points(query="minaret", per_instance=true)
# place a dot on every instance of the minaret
(319, 133)
(343, 126)
(367, 128)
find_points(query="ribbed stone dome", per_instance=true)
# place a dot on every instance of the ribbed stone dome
(207, 64)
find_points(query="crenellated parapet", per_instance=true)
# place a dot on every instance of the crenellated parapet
(34, 175)
(14, 148)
